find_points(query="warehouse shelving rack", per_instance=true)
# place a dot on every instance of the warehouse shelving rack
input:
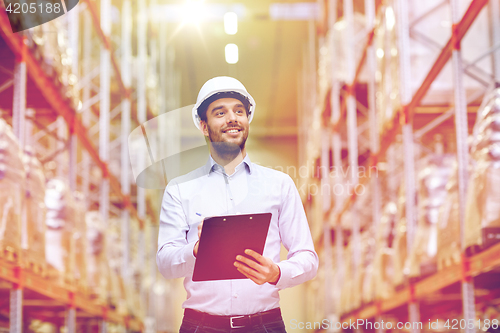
(82, 123)
(338, 104)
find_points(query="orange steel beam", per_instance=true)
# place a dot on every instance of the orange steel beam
(359, 67)
(457, 35)
(54, 98)
(343, 110)
(406, 113)
(107, 44)
(65, 293)
(368, 43)
(480, 263)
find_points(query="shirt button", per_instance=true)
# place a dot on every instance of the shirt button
(235, 295)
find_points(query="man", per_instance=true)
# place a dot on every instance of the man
(230, 184)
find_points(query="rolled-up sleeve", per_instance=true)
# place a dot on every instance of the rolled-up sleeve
(302, 261)
(175, 255)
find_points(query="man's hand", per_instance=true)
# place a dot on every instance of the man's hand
(195, 249)
(260, 272)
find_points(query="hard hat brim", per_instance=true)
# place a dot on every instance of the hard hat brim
(196, 117)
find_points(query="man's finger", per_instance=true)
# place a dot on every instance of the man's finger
(256, 273)
(251, 277)
(249, 262)
(249, 273)
(255, 255)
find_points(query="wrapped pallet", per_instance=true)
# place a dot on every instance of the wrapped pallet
(97, 267)
(60, 221)
(482, 220)
(133, 299)
(448, 234)
(365, 269)
(80, 241)
(388, 66)
(50, 45)
(383, 271)
(365, 246)
(117, 295)
(12, 182)
(399, 246)
(134, 304)
(431, 183)
(34, 211)
(346, 292)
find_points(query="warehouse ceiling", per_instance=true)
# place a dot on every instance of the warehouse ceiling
(270, 59)
(271, 54)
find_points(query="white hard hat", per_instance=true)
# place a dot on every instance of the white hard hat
(222, 84)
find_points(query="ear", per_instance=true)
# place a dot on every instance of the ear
(204, 127)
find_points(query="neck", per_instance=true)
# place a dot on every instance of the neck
(228, 161)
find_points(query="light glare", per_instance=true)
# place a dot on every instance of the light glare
(231, 53)
(231, 23)
(193, 11)
(390, 19)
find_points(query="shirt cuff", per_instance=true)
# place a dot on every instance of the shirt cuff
(279, 276)
(285, 276)
(188, 255)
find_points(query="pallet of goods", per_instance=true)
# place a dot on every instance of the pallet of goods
(12, 191)
(34, 215)
(482, 217)
(60, 221)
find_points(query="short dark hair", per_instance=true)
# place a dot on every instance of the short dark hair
(202, 109)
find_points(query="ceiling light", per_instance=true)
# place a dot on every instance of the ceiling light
(193, 11)
(390, 19)
(231, 23)
(231, 53)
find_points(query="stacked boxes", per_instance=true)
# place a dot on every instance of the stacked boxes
(432, 182)
(448, 242)
(80, 241)
(33, 217)
(97, 268)
(49, 44)
(483, 197)
(12, 190)
(383, 264)
(61, 213)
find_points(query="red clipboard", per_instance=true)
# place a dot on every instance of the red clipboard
(225, 237)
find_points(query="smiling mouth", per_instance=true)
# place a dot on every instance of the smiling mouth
(232, 131)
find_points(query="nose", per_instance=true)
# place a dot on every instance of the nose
(231, 117)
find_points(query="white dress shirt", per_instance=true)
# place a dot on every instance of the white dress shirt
(252, 188)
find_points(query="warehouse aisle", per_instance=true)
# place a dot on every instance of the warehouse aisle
(385, 114)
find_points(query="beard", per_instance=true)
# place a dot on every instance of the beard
(227, 149)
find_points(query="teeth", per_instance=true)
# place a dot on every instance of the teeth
(232, 131)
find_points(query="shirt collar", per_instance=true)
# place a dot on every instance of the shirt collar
(211, 165)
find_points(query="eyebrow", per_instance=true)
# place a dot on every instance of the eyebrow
(222, 106)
